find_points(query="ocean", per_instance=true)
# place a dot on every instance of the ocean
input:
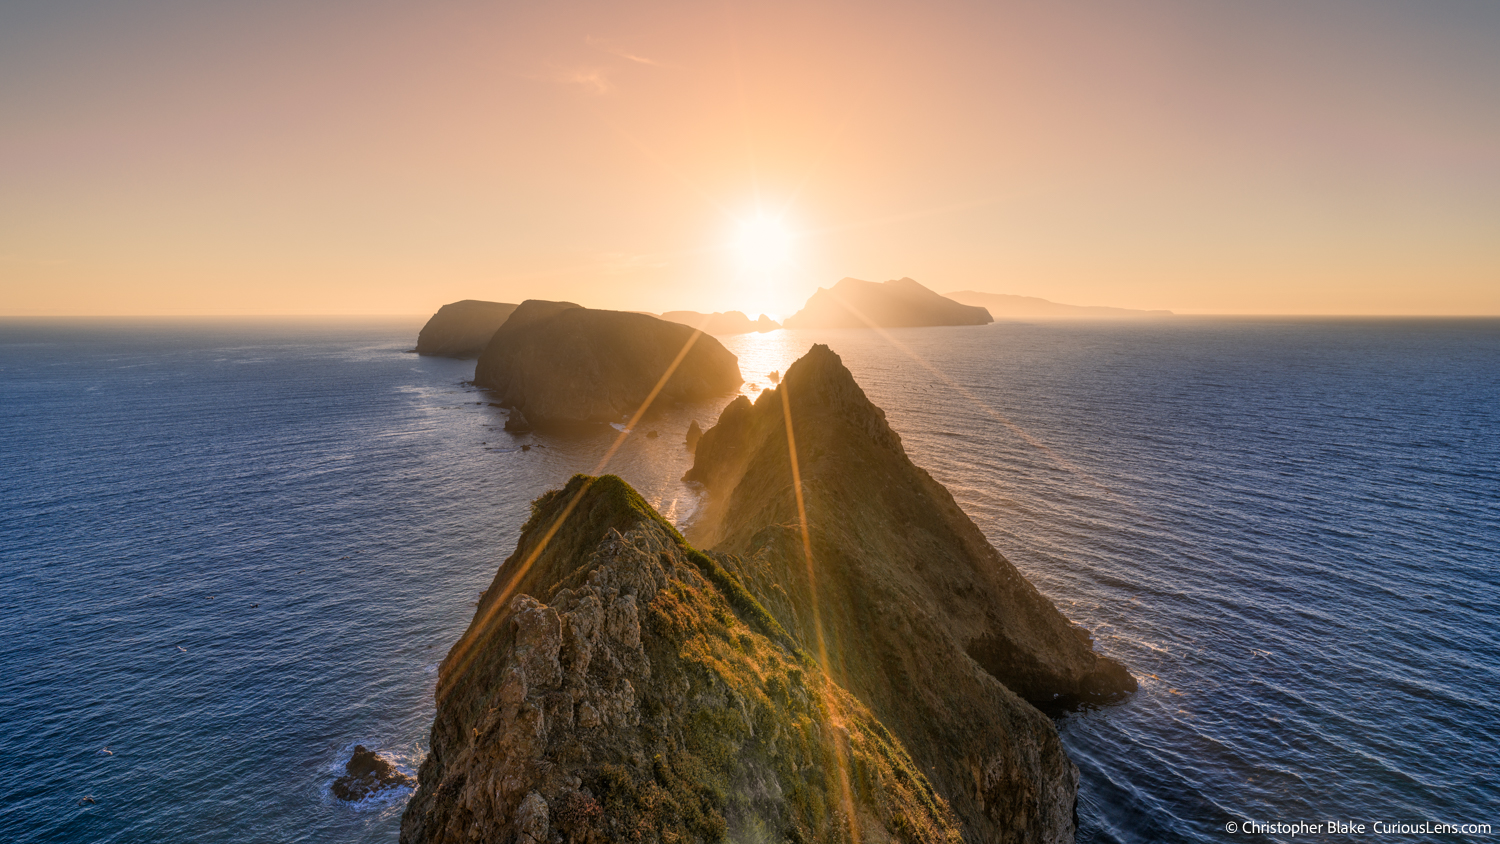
(230, 550)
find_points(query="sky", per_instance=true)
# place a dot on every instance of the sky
(388, 156)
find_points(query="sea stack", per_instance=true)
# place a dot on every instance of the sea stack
(561, 364)
(852, 303)
(855, 668)
(462, 329)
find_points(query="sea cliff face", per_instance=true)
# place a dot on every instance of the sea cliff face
(852, 661)
(852, 303)
(618, 685)
(562, 364)
(462, 329)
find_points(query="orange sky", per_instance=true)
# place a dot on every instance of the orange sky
(1214, 156)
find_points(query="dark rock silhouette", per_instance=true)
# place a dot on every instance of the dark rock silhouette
(561, 364)
(694, 433)
(365, 773)
(516, 422)
(774, 377)
(1005, 306)
(853, 303)
(728, 322)
(462, 329)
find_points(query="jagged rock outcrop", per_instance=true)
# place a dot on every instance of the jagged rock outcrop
(726, 322)
(366, 773)
(462, 329)
(924, 621)
(850, 664)
(694, 433)
(618, 685)
(561, 364)
(852, 303)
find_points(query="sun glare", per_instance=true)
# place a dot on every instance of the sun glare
(763, 243)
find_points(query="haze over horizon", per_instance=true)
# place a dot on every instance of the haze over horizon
(162, 157)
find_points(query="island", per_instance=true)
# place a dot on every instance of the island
(1010, 307)
(560, 365)
(726, 322)
(852, 303)
(462, 329)
(852, 663)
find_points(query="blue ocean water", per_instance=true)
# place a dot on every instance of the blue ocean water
(230, 550)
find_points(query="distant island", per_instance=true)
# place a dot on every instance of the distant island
(557, 364)
(1006, 306)
(462, 329)
(722, 322)
(853, 661)
(852, 303)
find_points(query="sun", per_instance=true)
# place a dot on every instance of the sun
(763, 243)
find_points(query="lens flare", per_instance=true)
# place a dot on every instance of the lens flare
(763, 243)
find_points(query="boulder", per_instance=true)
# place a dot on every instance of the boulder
(366, 773)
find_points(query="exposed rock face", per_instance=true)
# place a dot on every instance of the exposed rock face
(462, 329)
(366, 773)
(865, 680)
(625, 687)
(727, 322)
(1006, 306)
(561, 364)
(925, 622)
(853, 303)
(694, 433)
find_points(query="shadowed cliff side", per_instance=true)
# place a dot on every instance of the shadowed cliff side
(462, 329)
(618, 685)
(925, 622)
(852, 303)
(561, 364)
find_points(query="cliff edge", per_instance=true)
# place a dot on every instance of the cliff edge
(616, 684)
(462, 329)
(562, 364)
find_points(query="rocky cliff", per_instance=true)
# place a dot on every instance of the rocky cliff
(853, 303)
(727, 322)
(618, 685)
(462, 329)
(851, 661)
(562, 364)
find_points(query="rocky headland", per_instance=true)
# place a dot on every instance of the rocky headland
(722, 323)
(854, 664)
(852, 303)
(560, 364)
(462, 329)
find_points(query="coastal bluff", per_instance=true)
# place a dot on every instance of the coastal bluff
(857, 664)
(902, 303)
(462, 329)
(560, 364)
(617, 684)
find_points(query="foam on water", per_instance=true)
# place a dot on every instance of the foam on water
(1286, 529)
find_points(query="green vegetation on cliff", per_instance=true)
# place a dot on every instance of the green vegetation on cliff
(650, 698)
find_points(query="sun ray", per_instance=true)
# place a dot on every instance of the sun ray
(840, 751)
(464, 658)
